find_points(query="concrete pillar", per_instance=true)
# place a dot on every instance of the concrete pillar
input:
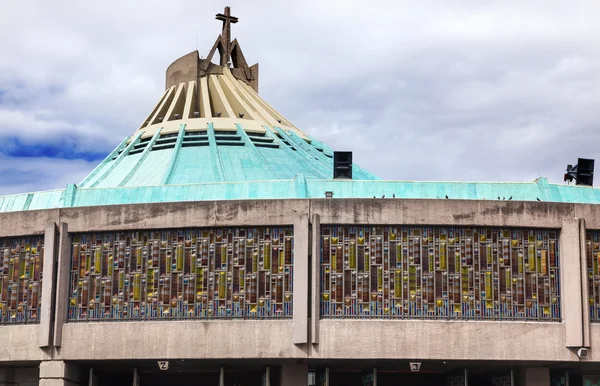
(571, 283)
(59, 373)
(584, 284)
(62, 282)
(48, 286)
(535, 376)
(300, 300)
(294, 374)
(315, 279)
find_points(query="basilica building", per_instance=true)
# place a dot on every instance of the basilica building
(221, 245)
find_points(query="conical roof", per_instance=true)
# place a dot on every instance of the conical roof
(210, 125)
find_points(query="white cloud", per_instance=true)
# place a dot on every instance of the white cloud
(418, 90)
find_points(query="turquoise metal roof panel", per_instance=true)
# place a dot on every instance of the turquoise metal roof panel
(194, 165)
(152, 170)
(119, 172)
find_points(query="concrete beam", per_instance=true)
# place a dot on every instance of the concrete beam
(19, 343)
(443, 212)
(46, 312)
(570, 278)
(315, 279)
(25, 223)
(300, 299)
(442, 340)
(193, 339)
(62, 282)
(184, 214)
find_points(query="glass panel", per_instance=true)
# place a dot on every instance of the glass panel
(441, 272)
(180, 274)
(21, 263)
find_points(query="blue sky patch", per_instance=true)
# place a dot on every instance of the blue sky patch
(62, 148)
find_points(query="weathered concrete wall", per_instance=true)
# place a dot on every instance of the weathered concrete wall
(179, 339)
(445, 212)
(446, 340)
(329, 338)
(20, 343)
(184, 214)
(32, 222)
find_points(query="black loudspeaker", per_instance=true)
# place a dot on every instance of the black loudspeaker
(342, 164)
(585, 172)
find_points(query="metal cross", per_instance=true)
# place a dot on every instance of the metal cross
(226, 33)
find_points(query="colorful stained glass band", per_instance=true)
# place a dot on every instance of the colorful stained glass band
(181, 274)
(21, 262)
(439, 272)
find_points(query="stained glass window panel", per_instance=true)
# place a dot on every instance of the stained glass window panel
(180, 274)
(21, 262)
(439, 272)
(593, 268)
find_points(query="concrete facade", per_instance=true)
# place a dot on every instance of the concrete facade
(54, 343)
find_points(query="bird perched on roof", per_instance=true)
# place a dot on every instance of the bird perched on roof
(537, 198)
(383, 196)
(510, 198)
(393, 195)
(446, 196)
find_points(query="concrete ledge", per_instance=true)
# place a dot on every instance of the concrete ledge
(450, 340)
(20, 343)
(179, 339)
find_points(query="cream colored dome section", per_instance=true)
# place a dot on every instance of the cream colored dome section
(223, 101)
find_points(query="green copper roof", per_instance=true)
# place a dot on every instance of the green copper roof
(299, 187)
(206, 156)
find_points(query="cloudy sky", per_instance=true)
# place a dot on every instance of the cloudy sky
(418, 90)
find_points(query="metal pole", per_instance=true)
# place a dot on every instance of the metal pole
(374, 376)
(268, 376)
(222, 377)
(136, 377)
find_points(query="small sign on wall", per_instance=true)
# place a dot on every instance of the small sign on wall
(415, 366)
(163, 365)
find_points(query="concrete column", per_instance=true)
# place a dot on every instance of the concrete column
(59, 373)
(300, 300)
(571, 283)
(294, 374)
(48, 286)
(535, 376)
(315, 279)
(584, 284)
(62, 282)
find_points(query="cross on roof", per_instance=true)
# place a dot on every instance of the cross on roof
(226, 32)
